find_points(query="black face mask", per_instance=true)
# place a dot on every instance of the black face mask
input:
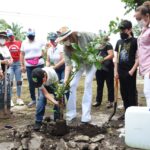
(31, 37)
(124, 36)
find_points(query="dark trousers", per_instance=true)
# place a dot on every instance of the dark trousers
(31, 85)
(128, 90)
(101, 77)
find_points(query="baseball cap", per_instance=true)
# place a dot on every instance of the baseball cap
(52, 36)
(125, 24)
(9, 32)
(30, 32)
(37, 77)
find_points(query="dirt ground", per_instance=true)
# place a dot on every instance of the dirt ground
(23, 116)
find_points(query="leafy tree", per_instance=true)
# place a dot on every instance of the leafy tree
(132, 4)
(17, 30)
(129, 6)
(113, 25)
(4, 25)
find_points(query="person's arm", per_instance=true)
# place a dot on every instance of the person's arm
(116, 65)
(68, 67)
(136, 64)
(48, 61)
(68, 70)
(49, 96)
(116, 59)
(110, 55)
(22, 61)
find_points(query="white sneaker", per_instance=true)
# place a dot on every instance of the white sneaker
(32, 103)
(12, 103)
(20, 102)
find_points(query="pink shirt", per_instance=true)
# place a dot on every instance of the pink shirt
(144, 51)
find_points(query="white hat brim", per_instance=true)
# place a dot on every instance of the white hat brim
(63, 37)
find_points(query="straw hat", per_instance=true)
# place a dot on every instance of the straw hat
(63, 33)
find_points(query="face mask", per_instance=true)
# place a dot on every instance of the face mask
(53, 42)
(67, 43)
(144, 23)
(140, 23)
(11, 38)
(124, 36)
(2, 41)
(31, 37)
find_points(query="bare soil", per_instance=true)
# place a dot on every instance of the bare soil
(24, 116)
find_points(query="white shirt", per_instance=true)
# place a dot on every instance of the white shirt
(54, 53)
(32, 50)
(51, 76)
(5, 52)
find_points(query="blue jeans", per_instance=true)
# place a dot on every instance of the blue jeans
(15, 70)
(31, 85)
(40, 108)
(60, 74)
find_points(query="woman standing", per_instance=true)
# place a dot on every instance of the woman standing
(66, 37)
(106, 73)
(55, 56)
(15, 68)
(31, 58)
(144, 46)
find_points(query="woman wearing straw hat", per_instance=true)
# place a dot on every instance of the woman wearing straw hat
(66, 37)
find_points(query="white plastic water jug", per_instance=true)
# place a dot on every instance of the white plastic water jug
(137, 127)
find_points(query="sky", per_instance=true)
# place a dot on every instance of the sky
(49, 15)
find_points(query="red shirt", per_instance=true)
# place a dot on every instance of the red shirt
(14, 48)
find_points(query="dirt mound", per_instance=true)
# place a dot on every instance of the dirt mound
(88, 129)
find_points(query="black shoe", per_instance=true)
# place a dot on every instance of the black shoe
(96, 104)
(85, 123)
(110, 105)
(37, 126)
(121, 117)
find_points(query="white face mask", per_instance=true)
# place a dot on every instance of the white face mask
(140, 23)
(2, 41)
(67, 43)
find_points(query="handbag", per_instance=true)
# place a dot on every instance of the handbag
(33, 61)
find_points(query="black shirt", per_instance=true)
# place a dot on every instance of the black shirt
(126, 54)
(107, 64)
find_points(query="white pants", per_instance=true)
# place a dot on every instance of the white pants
(147, 88)
(87, 96)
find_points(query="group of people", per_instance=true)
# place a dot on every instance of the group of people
(28, 56)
